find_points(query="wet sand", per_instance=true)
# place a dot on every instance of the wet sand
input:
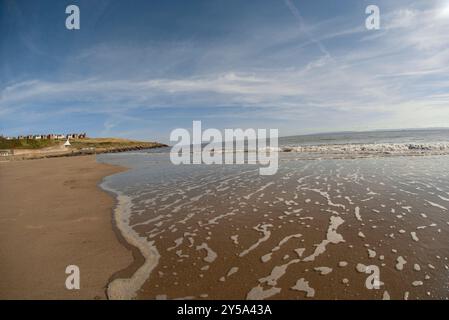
(52, 214)
(307, 233)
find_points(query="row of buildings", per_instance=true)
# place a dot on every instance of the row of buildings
(50, 136)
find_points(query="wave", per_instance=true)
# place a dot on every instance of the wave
(336, 150)
(371, 148)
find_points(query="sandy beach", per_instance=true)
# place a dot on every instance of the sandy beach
(224, 232)
(53, 214)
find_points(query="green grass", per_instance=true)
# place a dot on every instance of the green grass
(27, 144)
(97, 143)
(106, 143)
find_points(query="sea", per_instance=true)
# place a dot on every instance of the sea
(351, 215)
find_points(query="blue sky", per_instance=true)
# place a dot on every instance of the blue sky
(139, 69)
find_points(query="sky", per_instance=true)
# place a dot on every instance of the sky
(139, 69)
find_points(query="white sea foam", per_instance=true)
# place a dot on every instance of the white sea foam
(400, 263)
(414, 236)
(436, 205)
(323, 270)
(178, 242)
(300, 251)
(303, 285)
(235, 239)
(266, 235)
(360, 267)
(331, 237)
(357, 213)
(232, 271)
(267, 256)
(371, 148)
(371, 253)
(247, 197)
(258, 293)
(211, 255)
(221, 216)
(327, 196)
(125, 289)
(271, 280)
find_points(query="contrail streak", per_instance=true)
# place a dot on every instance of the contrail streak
(298, 16)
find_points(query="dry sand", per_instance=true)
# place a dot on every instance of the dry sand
(52, 214)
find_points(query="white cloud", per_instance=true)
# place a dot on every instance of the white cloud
(396, 76)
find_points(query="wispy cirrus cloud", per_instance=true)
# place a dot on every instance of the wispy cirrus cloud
(305, 74)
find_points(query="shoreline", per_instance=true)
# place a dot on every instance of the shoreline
(235, 235)
(137, 257)
(125, 283)
(60, 217)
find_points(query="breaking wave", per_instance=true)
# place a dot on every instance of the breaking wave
(372, 148)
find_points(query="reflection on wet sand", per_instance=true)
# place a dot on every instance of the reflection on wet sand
(310, 231)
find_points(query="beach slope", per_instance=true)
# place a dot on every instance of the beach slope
(53, 215)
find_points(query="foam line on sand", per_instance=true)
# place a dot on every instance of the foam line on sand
(126, 289)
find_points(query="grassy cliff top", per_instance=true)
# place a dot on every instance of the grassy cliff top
(110, 143)
(27, 144)
(97, 143)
